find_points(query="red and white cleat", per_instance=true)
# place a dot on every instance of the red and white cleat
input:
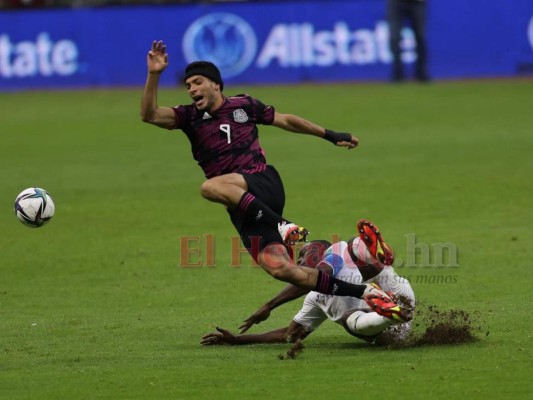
(291, 233)
(370, 235)
(389, 307)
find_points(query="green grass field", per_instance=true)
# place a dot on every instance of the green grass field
(96, 305)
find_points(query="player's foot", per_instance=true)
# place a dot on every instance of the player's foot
(388, 307)
(373, 289)
(370, 235)
(292, 233)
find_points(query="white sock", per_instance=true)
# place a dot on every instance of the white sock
(368, 323)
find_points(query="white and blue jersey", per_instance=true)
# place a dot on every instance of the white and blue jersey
(319, 307)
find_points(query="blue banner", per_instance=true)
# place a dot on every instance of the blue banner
(259, 42)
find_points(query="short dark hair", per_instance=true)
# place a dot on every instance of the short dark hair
(204, 68)
(311, 253)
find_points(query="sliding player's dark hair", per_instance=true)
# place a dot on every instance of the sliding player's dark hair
(311, 253)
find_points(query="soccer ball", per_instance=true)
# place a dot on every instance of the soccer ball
(34, 207)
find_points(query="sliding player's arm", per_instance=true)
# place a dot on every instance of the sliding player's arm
(289, 293)
(290, 334)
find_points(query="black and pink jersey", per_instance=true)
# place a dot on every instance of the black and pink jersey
(227, 140)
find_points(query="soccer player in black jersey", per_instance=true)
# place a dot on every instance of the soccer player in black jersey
(224, 139)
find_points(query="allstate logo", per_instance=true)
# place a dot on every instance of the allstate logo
(224, 39)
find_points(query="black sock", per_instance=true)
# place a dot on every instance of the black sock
(255, 209)
(327, 284)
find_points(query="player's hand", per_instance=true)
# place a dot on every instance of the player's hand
(351, 144)
(220, 337)
(259, 316)
(157, 59)
(341, 139)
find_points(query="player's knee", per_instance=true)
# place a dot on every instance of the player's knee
(349, 321)
(224, 188)
(345, 315)
(208, 190)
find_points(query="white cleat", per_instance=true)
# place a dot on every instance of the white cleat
(291, 233)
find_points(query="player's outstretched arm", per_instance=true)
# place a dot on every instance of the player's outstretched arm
(290, 333)
(157, 61)
(289, 293)
(294, 123)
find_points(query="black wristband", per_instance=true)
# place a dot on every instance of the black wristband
(336, 137)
